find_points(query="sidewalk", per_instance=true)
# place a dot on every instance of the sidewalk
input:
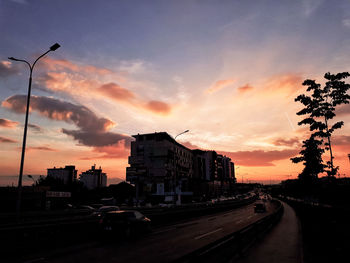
(281, 244)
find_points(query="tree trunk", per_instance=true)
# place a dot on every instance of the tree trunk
(329, 144)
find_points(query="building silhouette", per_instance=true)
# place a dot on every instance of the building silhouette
(164, 170)
(68, 174)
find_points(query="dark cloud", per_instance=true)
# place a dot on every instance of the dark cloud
(35, 128)
(96, 138)
(93, 131)
(6, 140)
(259, 157)
(60, 110)
(7, 69)
(8, 123)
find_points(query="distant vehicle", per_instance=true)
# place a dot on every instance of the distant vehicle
(260, 208)
(124, 222)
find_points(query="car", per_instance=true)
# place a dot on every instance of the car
(260, 208)
(124, 223)
(104, 209)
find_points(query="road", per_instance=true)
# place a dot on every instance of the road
(166, 244)
(270, 250)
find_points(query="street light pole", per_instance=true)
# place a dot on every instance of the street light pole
(175, 166)
(31, 67)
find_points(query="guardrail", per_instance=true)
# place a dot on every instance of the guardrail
(235, 243)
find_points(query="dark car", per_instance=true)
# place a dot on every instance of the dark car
(260, 208)
(105, 209)
(124, 222)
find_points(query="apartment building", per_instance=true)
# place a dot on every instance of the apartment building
(164, 170)
(94, 178)
(68, 174)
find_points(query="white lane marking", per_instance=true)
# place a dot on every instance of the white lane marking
(239, 221)
(249, 217)
(209, 233)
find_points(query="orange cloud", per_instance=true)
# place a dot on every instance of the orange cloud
(259, 157)
(158, 107)
(60, 64)
(220, 84)
(286, 84)
(245, 88)
(116, 92)
(8, 123)
(76, 84)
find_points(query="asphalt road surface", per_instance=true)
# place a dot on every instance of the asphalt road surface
(164, 244)
(270, 250)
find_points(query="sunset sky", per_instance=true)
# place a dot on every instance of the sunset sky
(226, 70)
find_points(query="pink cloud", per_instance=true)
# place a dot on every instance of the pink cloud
(6, 140)
(8, 123)
(116, 92)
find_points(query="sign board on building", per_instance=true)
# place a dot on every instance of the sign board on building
(58, 194)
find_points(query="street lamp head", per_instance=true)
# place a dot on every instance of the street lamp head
(54, 47)
(186, 131)
(12, 58)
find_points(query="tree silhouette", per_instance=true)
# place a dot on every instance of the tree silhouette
(311, 156)
(320, 109)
